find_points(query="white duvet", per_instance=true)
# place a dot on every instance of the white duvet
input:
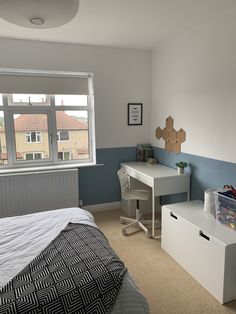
(24, 237)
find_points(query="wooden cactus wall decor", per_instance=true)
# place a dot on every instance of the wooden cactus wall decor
(173, 139)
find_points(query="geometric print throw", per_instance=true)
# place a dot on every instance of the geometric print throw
(78, 272)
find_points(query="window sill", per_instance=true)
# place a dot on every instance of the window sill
(7, 171)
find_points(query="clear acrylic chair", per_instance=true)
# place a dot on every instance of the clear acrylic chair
(130, 194)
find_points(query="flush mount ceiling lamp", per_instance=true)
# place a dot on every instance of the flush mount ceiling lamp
(38, 13)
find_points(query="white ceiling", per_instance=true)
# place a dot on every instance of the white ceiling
(141, 24)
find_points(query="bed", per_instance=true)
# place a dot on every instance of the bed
(23, 239)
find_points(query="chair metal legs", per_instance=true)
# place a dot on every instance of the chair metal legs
(137, 223)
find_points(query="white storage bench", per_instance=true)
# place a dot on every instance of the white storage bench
(202, 246)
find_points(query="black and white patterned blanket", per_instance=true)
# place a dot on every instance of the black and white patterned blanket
(78, 272)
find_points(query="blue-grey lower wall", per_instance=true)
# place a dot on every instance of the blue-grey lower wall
(205, 172)
(100, 184)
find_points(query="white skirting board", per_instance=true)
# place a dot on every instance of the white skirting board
(102, 207)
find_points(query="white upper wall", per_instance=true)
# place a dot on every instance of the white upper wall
(194, 81)
(121, 76)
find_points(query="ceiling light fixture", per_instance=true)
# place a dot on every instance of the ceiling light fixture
(38, 13)
(37, 21)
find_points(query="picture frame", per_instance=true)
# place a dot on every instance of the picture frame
(135, 114)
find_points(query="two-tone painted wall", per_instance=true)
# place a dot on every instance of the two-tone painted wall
(192, 78)
(121, 76)
(194, 81)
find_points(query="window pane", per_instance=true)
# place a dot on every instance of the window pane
(3, 146)
(60, 155)
(71, 100)
(38, 156)
(1, 102)
(29, 156)
(31, 136)
(63, 136)
(64, 156)
(75, 124)
(28, 99)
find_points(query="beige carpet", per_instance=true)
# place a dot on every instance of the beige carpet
(168, 288)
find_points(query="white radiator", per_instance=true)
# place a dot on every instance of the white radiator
(26, 193)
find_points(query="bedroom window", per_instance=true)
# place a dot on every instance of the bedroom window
(34, 137)
(50, 129)
(28, 100)
(63, 136)
(27, 141)
(64, 155)
(3, 146)
(31, 156)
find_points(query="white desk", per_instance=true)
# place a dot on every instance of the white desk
(163, 181)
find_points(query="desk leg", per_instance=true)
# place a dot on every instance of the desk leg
(188, 191)
(153, 214)
(188, 195)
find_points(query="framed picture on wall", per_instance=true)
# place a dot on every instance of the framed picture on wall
(135, 114)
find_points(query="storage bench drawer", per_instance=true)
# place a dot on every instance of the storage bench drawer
(198, 250)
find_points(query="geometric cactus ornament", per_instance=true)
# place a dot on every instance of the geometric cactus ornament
(158, 133)
(173, 139)
(169, 123)
(181, 136)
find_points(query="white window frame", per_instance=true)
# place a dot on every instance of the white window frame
(63, 152)
(13, 103)
(11, 139)
(59, 137)
(52, 162)
(33, 153)
(36, 142)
